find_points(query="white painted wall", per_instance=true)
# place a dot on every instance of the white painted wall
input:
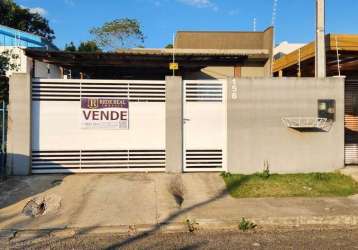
(24, 64)
(285, 48)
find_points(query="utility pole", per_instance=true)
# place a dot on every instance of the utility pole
(320, 55)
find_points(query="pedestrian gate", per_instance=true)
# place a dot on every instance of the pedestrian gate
(204, 113)
(60, 144)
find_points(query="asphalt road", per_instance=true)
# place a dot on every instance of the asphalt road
(308, 238)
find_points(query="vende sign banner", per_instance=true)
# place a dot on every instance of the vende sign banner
(104, 113)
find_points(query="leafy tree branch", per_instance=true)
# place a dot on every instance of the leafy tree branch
(14, 16)
(119, 33)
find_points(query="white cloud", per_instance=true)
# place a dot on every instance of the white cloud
(70, 3)
(200, 4)
(194, 3)
(38, 10)
(233, 12)
(157, 3)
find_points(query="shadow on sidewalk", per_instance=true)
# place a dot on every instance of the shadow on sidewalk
(17, 188)
(223, 193)
(45, 182)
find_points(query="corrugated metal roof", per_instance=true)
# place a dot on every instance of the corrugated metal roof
(15, 37)
(199, 52)
(347, 43)
(150, 57)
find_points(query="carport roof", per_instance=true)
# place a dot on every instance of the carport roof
(345, 45)
(146, 57)
(147, 62)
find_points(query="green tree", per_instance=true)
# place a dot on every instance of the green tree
(169, 46)
(119, 33)
(14, 16)
(71, 47)
(88, 46)
(4, 88)
(8, 61)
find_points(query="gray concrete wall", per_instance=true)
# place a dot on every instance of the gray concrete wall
(174, 124)
(257, 134)
(253, 71)
(19, 125)
(212, 72)
(222, 72)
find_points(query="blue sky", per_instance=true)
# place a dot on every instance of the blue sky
(71, 19)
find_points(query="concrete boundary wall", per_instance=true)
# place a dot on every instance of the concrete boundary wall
(257, 134)
(174, 124)
(19, 125)
(255, 131)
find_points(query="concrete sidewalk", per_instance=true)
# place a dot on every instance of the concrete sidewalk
(351, 171)
(118, 200)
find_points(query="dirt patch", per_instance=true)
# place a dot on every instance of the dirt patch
(56, 182)
(42, 205)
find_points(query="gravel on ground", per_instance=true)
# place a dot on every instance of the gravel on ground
(293, 238)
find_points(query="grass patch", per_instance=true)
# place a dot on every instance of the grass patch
(290, 185)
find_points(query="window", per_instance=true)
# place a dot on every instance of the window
(327, 109)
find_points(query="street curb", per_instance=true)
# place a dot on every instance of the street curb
(172, 227)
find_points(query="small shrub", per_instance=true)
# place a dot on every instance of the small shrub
(246, 225)
(225, 174)
(265, 174)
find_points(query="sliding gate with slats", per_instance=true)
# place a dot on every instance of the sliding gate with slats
(204, 125)
(351, 122)
(61, 145)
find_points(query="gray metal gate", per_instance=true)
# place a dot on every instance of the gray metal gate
(351, 122)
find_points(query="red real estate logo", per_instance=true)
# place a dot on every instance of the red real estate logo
(104, 113)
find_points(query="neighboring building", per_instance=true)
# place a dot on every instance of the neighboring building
(253, 44)
(15, 41)
(285, 48)
(302, 62)
(200, 55)
(342, 60)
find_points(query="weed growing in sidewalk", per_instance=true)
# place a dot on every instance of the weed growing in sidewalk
(246, 225)
(192, 225)
(266, 172)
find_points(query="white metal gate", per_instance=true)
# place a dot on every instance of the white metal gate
(204, 112)
(60, 145)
